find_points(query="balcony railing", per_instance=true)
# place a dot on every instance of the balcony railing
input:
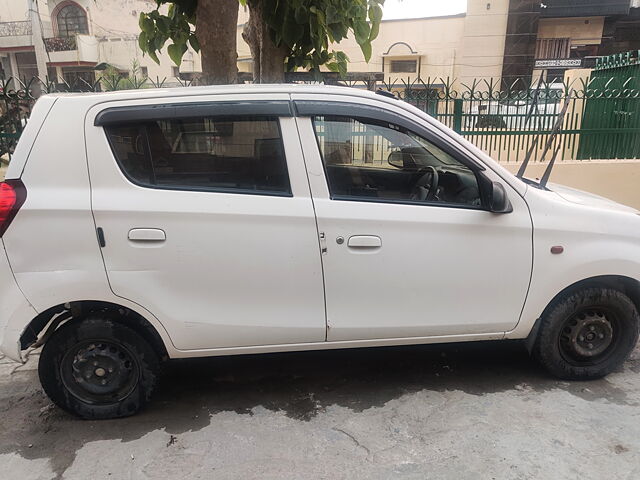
(14, 29)
(60, 44)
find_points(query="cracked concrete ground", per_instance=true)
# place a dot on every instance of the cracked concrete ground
(463, 411)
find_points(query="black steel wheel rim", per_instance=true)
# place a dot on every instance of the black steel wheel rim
(100, 372)
(589, 336)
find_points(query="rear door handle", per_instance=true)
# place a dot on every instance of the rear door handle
(364, 241)
(147, 235)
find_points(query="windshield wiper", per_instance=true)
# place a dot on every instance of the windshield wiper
(534, 105)
(554, 133)
(552, 136)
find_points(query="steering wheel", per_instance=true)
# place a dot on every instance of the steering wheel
(426, 187)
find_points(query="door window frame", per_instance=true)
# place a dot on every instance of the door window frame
(364, 113)
(217, 111)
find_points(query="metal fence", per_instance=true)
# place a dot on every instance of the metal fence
(602, 120)
(613, 119)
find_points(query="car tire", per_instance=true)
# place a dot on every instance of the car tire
(587, 334)
(98, 368)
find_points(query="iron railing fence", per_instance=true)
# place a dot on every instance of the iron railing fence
(602, 120)
(13, 29)
(61, 44)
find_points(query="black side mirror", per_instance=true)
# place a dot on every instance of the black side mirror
(499, 201)
(396, 159)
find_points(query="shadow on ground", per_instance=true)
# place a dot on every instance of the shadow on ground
(299, 384)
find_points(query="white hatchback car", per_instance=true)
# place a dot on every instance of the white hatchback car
(171, 223)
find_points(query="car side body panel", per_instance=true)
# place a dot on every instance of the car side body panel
(236, 269)
(597, 242)
(52, 243)
(15, 310)
(28, 136)
(53, 256)
(440, 270)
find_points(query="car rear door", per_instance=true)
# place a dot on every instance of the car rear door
(205, 216)
(396, 265)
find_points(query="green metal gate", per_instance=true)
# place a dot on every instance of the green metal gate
(611, 123)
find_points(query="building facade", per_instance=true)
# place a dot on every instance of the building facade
(78, 36)
(550, 37)
(496, 40)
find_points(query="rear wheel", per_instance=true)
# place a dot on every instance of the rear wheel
(587, 334)
(98, 368)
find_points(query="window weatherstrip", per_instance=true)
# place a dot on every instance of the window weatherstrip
(141, 113)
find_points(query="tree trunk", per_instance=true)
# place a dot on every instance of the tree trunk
(216, 29)
(268, 60)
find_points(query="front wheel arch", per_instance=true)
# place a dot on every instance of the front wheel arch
(626, 285)
(587, 333)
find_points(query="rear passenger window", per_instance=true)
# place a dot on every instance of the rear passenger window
(243, 155)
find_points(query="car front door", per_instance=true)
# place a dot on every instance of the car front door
(207, 219)
(410, 249)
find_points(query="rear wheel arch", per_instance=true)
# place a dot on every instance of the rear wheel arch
(78, 310)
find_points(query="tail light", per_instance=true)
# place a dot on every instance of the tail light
(12, 195)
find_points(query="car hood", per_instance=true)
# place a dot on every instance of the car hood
(588, 199)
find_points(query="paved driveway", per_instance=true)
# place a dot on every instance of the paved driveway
(461, 412)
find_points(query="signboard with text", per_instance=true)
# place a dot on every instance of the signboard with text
(559, 63)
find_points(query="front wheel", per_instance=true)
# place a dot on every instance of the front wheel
(587, 334)
(98, 368)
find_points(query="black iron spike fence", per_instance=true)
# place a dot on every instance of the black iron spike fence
(602, 121)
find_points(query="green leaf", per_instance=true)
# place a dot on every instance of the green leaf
(292, 31)
(145, 23)
(176, 51)
(333, 66)
(180, 37)
(301, 15)
(153, 56)
(361, 30)
(366, 50)
(332, 15)
(342, 57)
(195, 44)
(375, 13)
(163, 25)
(142, 41)
(158, 41)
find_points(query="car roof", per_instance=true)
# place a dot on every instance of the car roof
(180, 91)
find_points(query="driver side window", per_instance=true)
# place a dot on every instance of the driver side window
(379, 161)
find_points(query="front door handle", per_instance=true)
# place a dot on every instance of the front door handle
(147, 235)
(364, 241)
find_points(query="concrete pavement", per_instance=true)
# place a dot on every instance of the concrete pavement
(449, 411)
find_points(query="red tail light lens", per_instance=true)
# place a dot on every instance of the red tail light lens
(12, 196)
